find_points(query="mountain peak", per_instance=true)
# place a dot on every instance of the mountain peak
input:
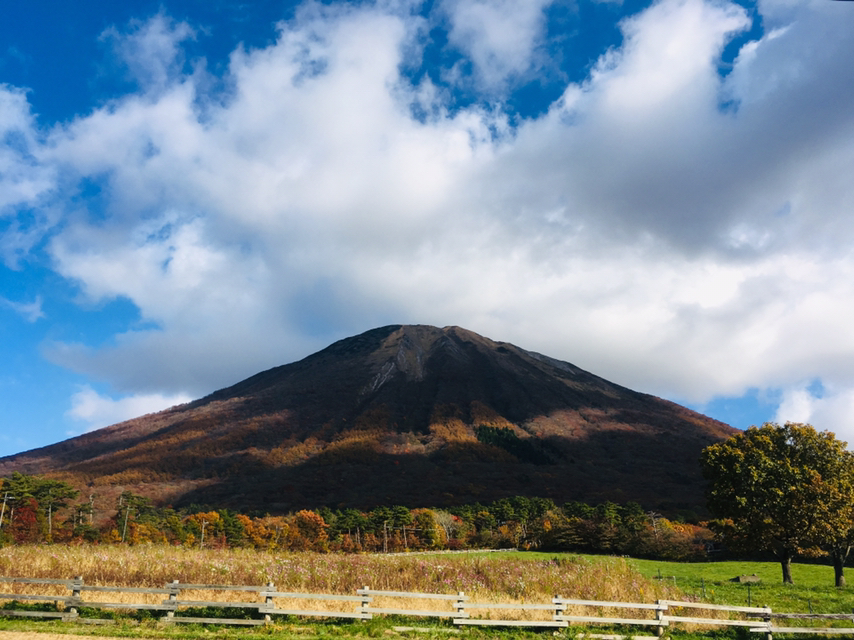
(402, 414)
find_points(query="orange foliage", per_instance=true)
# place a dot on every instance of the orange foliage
(483, 415)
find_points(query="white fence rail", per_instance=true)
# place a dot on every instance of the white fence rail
(257, 605)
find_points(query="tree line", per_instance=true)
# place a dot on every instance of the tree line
(43, 510)
(786, 490)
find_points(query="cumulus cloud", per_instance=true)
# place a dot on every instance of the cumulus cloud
(826, 407)
(499, 37)
(675, 231)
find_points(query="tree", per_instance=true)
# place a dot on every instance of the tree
(128, 505)
(355, 523)
(50, 495)
(428, 530)
(836, 533)
(780, 489)
(25, 527)
(312, 528)
(232, 528)
(199, 522)
(53, 495)
(18, 490)
(401, 517)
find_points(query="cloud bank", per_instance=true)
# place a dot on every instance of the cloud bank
(92, 408)
(679, 231)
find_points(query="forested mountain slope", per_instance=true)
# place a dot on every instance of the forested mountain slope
(403, 414)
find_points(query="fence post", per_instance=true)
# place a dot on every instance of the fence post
(767, 618)
(659, 615)
(75, 594)
(559, 607)
(366, 602)
(268, 602)
(173, 596)
(460, 605)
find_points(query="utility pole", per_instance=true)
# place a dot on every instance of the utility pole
(3, 511)
(127, 515)
(49, 517)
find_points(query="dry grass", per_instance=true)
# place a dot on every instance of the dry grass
(490, 578)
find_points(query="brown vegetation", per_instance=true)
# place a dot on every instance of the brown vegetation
(492, 577)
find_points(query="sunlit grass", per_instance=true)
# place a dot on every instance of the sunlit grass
(494, 577)
(813, 590)
(504, 577)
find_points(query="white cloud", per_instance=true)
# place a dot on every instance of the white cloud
(827, 408)
(24, 178)
(96, 410)
(151, 50)
(636, 229)
(500, 37)
(30, 311)
(641, 147)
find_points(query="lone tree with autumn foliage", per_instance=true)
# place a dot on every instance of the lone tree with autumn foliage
(785, 489)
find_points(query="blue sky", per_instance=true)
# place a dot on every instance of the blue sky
(658, 192)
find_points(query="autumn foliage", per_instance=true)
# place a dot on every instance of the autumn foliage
(530, 523)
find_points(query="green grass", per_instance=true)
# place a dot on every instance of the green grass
(387, 627)
(813, 590)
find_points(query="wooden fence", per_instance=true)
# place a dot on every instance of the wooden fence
(256, 604)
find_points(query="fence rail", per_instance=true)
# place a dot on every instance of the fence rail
(183, 598)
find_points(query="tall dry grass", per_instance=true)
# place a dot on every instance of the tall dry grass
(490, 577)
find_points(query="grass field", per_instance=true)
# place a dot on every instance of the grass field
(712, 582)
(813, 591)
(497, 577)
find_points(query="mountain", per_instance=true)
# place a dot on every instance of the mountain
(403, 414)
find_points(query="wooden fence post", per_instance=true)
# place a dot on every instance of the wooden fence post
(268, 601)
(173, 596)
(460, 605)
(659, 615)
(767, 619)
(75, 594)
(366, 601)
